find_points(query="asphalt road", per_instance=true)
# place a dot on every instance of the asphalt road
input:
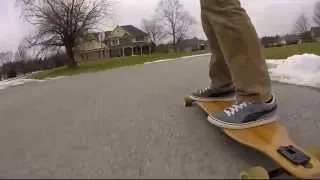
(131, 123)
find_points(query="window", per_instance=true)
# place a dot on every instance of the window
(139, 39)
(115, 42)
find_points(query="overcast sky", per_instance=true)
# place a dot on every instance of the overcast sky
(269, 16)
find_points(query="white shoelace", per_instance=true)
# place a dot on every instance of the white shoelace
(235, 108)
(203, 90)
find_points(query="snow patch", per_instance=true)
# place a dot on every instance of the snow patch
(298, 69)
(23, 80)
(199, 55)
(56, 78)
(159, 61)
(184, 57)
(16, 82)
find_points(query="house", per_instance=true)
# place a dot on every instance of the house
(189, 45)
(292, 39)
(193, 44)
(91, 49)
(306, 37)
(315, 34)
(127, 41)
(122, 41)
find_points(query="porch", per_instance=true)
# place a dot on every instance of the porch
(130, 51)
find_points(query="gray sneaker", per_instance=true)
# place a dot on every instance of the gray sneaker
(245, 115)
(208, 94)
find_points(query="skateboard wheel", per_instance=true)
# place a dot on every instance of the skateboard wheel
(255, 173)
(315, 151)
(188, 101)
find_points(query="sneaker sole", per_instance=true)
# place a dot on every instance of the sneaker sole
(267, 119)
(229, 98)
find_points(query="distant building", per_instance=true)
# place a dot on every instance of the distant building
(306, 37)
(91, 49)
(292, 39)
(272, 41)
(315, 34)
(189, 45)
(278, 41)
(128, 41)
(122, 41)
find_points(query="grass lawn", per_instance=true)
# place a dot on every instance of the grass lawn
(287, 51)
(98, 65)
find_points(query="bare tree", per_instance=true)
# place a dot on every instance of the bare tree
(2, 56)
(302, 24)
(316, 13)
(6, 57)
(154, 30)
(62, 23)
(21, 53)
(175, 19)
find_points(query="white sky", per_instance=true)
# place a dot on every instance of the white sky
(269, 16)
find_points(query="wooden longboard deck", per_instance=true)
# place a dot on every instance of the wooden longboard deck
(267, 139)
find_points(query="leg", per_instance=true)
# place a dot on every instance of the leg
(218, 70)
(241, 47)
(222, 87)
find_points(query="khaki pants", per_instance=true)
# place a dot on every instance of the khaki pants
(237, 58)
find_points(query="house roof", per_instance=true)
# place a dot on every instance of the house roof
(315, 31)
(133, 30)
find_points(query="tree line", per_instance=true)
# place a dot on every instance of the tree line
(11, 68)
(303, 23)
(301, 30)
(21, 62)
(60, 26)
(170, 20)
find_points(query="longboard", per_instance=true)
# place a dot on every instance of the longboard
(272, 140)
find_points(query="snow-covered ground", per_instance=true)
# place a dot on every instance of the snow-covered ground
(298, 69)
(16, 82)
(20, 81)
(184, 57)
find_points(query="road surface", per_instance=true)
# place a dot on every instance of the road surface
(131, 123)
